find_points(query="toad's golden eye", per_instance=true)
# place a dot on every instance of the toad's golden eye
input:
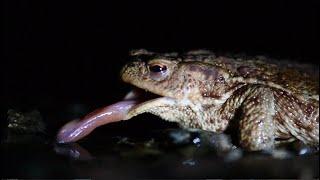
(157, 71)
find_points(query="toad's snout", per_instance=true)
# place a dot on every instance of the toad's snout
(132, 71)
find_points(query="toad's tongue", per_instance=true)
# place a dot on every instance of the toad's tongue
(78, 129)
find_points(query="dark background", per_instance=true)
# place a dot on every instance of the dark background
(62, 52)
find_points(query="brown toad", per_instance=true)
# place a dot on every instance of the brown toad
(276, 102)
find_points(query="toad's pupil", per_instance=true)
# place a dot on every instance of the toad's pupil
(157, 68)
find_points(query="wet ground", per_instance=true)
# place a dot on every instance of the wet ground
(144, 147)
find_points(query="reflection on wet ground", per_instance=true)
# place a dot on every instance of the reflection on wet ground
(178, 157)
(165, 152)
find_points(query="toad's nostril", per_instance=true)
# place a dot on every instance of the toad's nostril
(130, 64)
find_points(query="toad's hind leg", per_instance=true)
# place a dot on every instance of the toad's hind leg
(257, 127)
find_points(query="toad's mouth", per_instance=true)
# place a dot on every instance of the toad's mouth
(122, 110)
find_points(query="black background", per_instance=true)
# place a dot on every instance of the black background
(60, 52)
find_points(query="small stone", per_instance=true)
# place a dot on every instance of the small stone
(189, 162)
(233, 155)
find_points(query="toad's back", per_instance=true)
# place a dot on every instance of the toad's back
(300, 79)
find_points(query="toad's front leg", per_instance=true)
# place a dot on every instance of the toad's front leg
(257, 127)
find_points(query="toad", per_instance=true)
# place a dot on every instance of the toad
(274, 101)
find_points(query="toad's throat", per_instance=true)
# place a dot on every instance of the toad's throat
(135, 102)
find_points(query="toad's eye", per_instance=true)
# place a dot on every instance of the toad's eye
(158, 68)
(158, 71)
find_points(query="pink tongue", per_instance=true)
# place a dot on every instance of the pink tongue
(78, 129)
